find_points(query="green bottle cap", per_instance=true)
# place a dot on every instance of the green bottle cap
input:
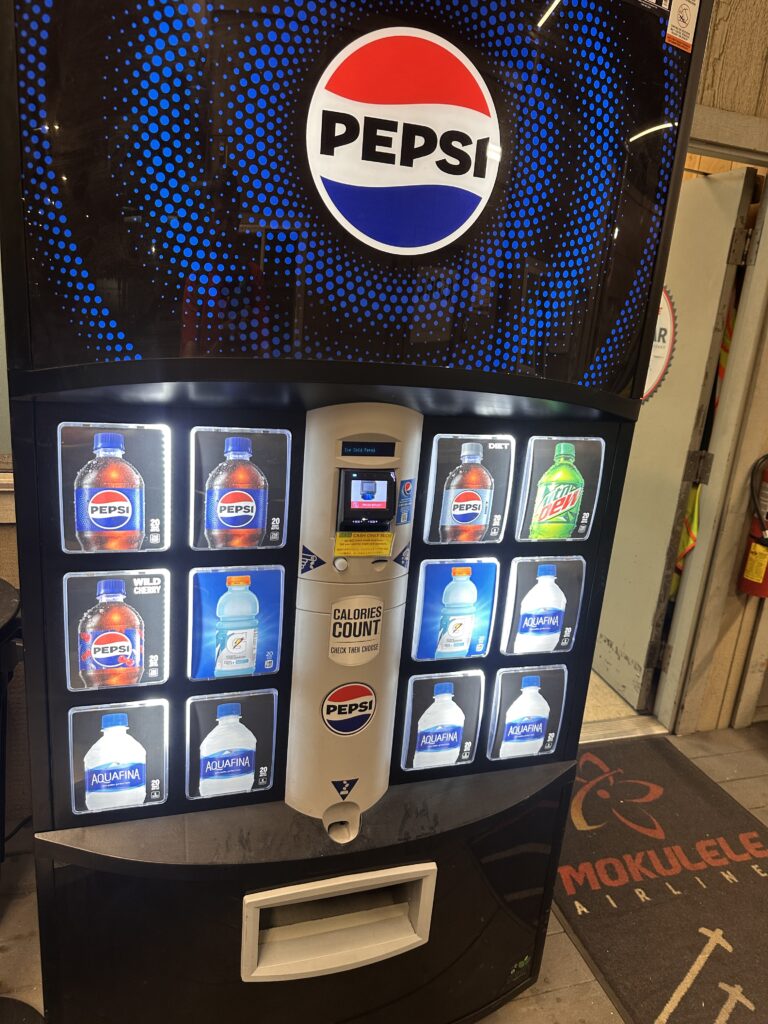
(565, 450)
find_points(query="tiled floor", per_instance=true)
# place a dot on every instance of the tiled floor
(566, 992)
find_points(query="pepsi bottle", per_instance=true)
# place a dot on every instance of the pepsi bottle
(109, 499)
(111, 639)
(236, 495)
(467, 499)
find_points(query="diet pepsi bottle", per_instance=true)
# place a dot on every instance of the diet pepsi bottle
(542, 612)
(236, 496)
(525, 724)
(115, 768)
(467, 499)
(110, 639)
(457, 619)
(227, 755)
(109, 499)
(440, 731)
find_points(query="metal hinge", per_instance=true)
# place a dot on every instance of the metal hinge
(737, 255)
(698, 467)
(754, 244)
(659, 655)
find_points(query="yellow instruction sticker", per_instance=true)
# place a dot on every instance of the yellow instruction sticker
(682, 24)
(757, 563)
(364, 545)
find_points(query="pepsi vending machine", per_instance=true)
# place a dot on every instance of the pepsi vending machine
(327, 326)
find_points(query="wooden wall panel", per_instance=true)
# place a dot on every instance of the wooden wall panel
(735, 74)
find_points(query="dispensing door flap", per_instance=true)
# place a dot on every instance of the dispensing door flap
(302, 931)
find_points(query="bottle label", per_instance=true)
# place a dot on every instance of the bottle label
(228, 508)
(439, 737)
(109, 510)
(228, 764)
(557, 502)
(455, 634)
(110, 649)
(531, 727)
(466, 506)
(542, 622)
(236, 650)
(115, 778)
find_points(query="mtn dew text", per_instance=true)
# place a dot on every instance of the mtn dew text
(559, 494)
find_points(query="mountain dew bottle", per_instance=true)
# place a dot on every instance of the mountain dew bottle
(558, 497)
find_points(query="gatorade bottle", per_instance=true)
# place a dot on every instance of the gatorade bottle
(542, 611)
(110, 639)
(109, 499)
(558, 497)
(236, 495)
(467, 498)
(440, 731)
(227, 755)
(457, 621)
(237, 629)
(525, 725)
(115, 768)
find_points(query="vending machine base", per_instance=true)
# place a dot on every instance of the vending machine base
(144, 921)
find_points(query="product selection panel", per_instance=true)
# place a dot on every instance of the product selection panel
(481, 595)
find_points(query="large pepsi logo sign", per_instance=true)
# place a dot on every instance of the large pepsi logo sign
(403, 141)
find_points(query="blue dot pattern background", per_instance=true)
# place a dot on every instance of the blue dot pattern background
(169, 210)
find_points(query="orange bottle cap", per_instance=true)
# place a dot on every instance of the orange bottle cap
(238, 581)
(461, 570)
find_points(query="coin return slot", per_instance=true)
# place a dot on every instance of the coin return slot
(336, 924)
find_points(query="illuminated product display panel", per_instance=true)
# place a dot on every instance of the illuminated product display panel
(514, 229)
(203, 625)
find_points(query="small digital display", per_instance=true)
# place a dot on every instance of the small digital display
(369, 449)
(367, 499)
(368, 494)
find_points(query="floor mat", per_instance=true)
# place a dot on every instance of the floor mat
(663, 884)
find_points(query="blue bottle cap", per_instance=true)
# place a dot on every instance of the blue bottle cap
(443, 688)
(108, 721)
(105, 588)
(238, 446)
(530, 681)
(109, 440)
(228, 710)
(546, 570)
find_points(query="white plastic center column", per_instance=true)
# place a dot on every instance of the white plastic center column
(350, 609)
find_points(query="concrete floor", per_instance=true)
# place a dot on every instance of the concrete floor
(566, 992)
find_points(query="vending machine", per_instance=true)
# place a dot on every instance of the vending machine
(327, 326)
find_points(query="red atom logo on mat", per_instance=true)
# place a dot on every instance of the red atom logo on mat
(604, 791)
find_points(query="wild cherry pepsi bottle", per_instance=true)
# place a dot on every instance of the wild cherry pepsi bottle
(467, 498)
(111, 639)
(236, 495)
(109, 499)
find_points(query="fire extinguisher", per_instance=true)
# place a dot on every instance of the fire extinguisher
(754, 572)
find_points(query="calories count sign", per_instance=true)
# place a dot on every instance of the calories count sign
(403, 141)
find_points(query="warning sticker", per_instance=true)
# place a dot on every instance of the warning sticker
(757, 563)
(355, 630)
(682, 24)
(377, 544)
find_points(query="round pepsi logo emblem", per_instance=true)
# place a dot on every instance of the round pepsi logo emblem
(466, 507)
(349, 708)
(109, 510)
(112, 650)
(236, 509)
(403, 141)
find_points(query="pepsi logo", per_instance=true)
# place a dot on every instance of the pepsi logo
(236, 509)
(466, 507)
(349, 708)
(112, 650)
(407, 486)
(110, 510)
(403, 141)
